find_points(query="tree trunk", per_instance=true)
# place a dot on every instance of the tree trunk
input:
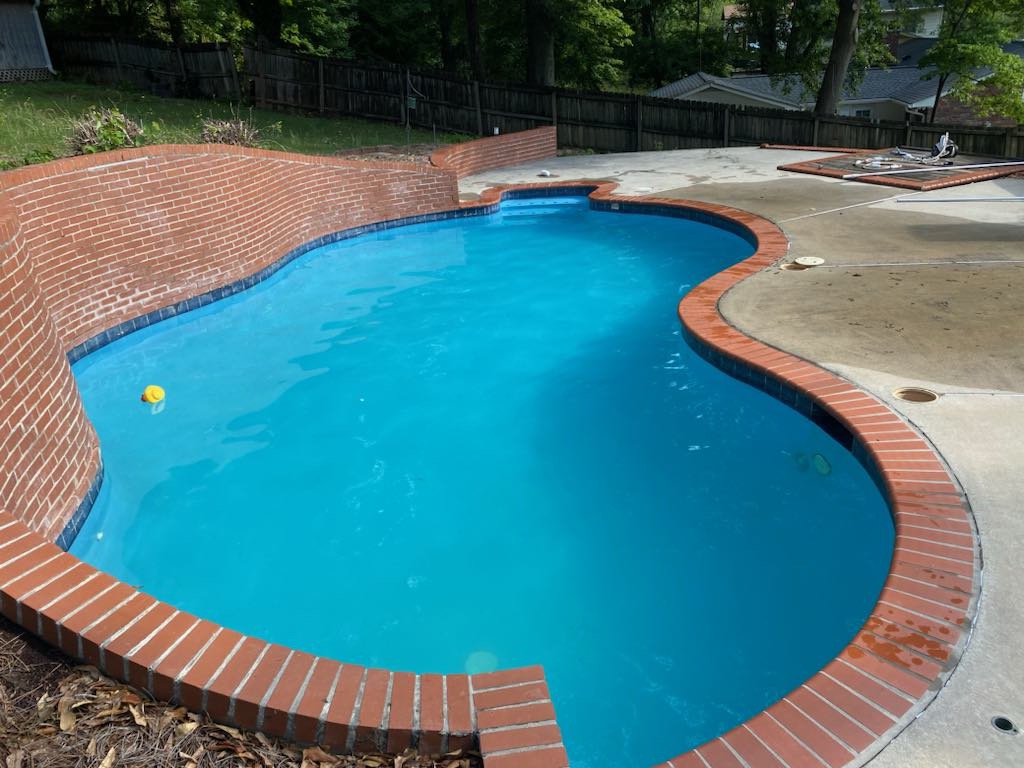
(444, 28)
(174, 23)
(938, 97)
(843, 44)
(266, 17)
(476, 61)
(540, 43)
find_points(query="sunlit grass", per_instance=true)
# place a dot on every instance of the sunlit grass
(35, 120)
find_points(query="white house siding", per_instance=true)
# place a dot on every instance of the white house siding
(880, 110)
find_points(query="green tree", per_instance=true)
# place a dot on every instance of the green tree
(672, 38)
(970, 43)
(795, 41)
(574, 42)
(844, 43)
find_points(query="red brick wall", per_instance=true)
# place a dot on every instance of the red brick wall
(48, 449)
(116, 237)
(496, 151)
(89, 242)
(955, 112)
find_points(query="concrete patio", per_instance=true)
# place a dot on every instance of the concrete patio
(911, 293)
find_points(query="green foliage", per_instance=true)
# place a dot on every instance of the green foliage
(1002, 91)
(970, 47)
(794, 40)
(38, 156)
(101, 130)
(587, 38)
(35, 119)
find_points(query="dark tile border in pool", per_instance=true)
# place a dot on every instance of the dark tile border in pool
(842, 715)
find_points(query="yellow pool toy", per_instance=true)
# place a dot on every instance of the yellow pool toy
(153, 393)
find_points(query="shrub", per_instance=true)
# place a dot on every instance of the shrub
(241, 133)
(39, 156)
(100, 130)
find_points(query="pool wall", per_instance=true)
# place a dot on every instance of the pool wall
(91, 248)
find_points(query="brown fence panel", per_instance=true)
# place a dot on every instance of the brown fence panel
(674, 124)
(511, 108)
(754, 125)
(442, 102)
(203, 70)
(971, 141)
(284, 79)
(604, 122)
(373, 92)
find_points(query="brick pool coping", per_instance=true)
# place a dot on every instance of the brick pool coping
(952, 177)
(843, 714)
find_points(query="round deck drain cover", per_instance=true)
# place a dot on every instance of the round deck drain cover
(809, 261)
(915, 394)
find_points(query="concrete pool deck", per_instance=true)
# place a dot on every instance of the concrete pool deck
(911, 294)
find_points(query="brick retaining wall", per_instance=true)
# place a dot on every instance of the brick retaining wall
(490, 152)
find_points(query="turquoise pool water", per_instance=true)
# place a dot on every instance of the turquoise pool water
(484, 442)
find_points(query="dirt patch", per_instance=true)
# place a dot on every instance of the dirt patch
(409, 153)
(55, 715)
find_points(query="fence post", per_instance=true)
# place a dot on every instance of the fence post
(479, 108)
(403, 92)
(878, 135)
(1008, 146)
(639, 122)
(182, 69)
(910, 134)
(117, 59)
(725, 133)
(814, 132)
(554, 107)
(225, 52)
(257, 57)
(320, 82)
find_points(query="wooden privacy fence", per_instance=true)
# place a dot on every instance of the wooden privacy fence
(201, 70)
(603, 122)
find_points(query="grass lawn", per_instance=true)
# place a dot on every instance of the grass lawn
(35, 120)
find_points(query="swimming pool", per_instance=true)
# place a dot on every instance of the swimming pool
(482, 442)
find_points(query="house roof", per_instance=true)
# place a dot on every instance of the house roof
(902, 84)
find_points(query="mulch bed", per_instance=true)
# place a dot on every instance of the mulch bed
(409, 153)
(55, 715)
